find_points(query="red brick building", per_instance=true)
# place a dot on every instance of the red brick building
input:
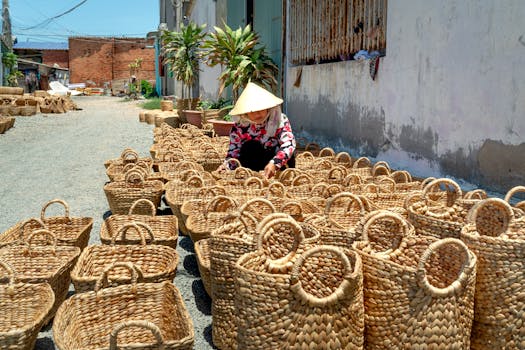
(50, 54)
(103, 60)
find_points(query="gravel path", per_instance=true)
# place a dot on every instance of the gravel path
(61, 156)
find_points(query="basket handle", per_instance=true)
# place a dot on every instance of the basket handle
(10, 273)
(306, 155)
(323, 163)
(134, 176)
(411, 198)
(44, 232)
(352, 179)
(289, 206)
(347, 286)
(129, 155)
(513, 191)
(195, 181)
(142, 200)
(343, 157)
(326, 152)
(506, 210)
(241, 173)
(401, 176)
(302, 179)
(362, 162)
(449, 184)
(254, 182)
(284, 263)
(187, 173)
(456, 286)
(337, 173)
(135, 273)
(148, 229)
(344, 195)
(59, 201)
(140, 324)
(382, 214)
(22, 228)
(380, 169)
(388, 181)
(313, 146)
(276, 189)
(124, 228)
(476, 194)
(287, 175)
(220, 203)
(245, 208)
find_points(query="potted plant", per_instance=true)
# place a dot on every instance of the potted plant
(215, 109)
(182, 51)
(242, 59)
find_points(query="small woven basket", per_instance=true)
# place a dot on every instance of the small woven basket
(42, 264)
(136, 316)
(498, 240)
(69, 231)
(418, 291)
(122, 194)
(164, 227)
(24, 307)
(156, 262)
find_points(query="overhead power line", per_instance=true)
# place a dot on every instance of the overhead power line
(51, 19)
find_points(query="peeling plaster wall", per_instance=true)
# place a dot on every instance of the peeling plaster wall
(448, 100)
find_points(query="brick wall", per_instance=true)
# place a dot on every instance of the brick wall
(60, 57)
(105, 59)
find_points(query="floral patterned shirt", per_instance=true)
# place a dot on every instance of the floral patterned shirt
(283, 139)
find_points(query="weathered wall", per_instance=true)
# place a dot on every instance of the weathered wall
(448, 100)
(52, 57)
(104, 59)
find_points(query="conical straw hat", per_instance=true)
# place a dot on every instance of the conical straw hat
(254, 98)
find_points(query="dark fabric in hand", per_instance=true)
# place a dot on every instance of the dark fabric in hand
(255, 156)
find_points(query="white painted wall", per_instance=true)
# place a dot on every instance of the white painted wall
(454, 69)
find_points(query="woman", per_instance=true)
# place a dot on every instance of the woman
(261, 137)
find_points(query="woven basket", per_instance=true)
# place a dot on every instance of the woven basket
(498, 240)
(343, 159)
(441, 217)
(42, 263)
(154, 313)
(122, 194)
(24, 307)
(346, 209)
(299, 209)
(156, 262)
(202, 252)
(419, 293)
(304, 160)
(164, 228)
(273, 293)
(117, 172)
(362, 166)
(128, 155)
(228, 244)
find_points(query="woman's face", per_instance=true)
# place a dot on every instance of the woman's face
(257, 117)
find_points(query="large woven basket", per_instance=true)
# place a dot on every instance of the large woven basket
(42, 264)
(419, 292)
(24, 307)
(228, 244)
(440, 216)
(156, 262)
(164, 228)
(136, 316)
(202, 252)
(122, 194)
(69, 230)
(289, 302)
(498, 240)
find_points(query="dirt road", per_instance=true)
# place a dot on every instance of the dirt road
(61, 156)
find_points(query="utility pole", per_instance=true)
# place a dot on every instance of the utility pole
(6, 26)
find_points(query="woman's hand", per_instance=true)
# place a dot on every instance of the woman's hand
(269, 170)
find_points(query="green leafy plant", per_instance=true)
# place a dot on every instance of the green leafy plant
(147, 89)
(9, 61)
(242, 58)
(152, 103)
(218, 104)
(183, 51)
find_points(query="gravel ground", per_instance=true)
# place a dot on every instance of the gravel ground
(49, 156)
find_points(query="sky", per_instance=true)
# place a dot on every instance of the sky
(32, 20)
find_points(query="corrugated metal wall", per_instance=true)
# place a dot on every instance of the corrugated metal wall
(327, 30)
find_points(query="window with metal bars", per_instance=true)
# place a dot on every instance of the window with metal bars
(327, 31)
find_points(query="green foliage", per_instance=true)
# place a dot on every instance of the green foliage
(218, 104)
(152, 103)
(147, 89)
(9, 59)
(242, 58)
(183, 50)
(13, 76)
(227, 118)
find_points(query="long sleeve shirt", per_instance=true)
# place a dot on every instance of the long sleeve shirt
(283, 139)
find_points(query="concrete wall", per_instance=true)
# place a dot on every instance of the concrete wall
(448, 100)
(104, 59)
